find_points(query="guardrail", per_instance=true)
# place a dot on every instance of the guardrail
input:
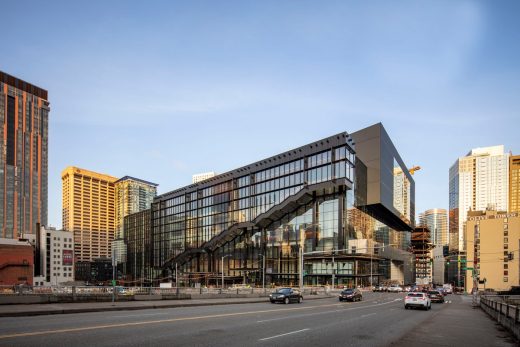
(28, 294)
(505, 313)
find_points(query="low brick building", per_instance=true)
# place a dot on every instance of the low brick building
(16, 262)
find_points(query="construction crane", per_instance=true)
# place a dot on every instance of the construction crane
(413, 169)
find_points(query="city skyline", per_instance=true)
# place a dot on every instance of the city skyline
(441, 89)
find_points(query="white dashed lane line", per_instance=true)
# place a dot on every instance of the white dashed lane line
(291, 333)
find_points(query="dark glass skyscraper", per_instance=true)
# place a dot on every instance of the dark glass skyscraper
(24, 119)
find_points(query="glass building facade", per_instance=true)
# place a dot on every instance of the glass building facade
(436, 220)
(258, 218)
(137, 238)
(132, 195)
(24, 124)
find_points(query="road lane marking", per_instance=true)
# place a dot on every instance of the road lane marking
(292, 332)
(324, 312)
(366, 315)
(141, 315)
(170, 320)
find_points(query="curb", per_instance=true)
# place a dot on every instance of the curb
(133, 308)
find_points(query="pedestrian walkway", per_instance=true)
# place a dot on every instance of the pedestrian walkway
(61, 308)
(458, 324)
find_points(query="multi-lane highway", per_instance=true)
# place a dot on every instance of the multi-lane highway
(378, 320)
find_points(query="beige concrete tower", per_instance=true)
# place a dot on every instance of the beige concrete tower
(89, 211)
(514, 183)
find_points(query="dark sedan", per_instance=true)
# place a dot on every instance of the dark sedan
(351, 295)
(286, 295)
(436, 296)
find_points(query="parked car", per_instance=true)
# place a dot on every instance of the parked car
(286, 295)
(417, 299)
(436, 296)
(395, 289)
(351, 295)
(378, 288)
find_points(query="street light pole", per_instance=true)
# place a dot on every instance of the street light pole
(300, 258)
(263, 271)
(176, 280)
(371, 253)
(222, 267)
(333, 269)
(114, 264)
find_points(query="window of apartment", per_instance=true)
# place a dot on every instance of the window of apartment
(505, 279)
(505, 240)
(506, 266)
(505, 246)
(505, 272)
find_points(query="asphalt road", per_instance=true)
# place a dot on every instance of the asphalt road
(379, 320)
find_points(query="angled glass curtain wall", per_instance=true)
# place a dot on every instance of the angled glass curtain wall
(190, 219)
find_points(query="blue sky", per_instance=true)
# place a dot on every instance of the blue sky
(161, 90)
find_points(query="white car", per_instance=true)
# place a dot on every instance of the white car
(417, 299)
(395, 289)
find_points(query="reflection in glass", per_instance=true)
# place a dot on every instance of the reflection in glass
(401, 192)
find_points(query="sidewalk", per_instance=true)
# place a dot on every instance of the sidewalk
(459, 324)
(65, 308)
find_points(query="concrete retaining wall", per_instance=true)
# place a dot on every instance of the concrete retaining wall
(507, 315)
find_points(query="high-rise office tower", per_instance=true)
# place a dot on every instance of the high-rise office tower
(436, 219)
(514, 183)
(478, 181)
(89, 211)
(24, 119)
(132, 195)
